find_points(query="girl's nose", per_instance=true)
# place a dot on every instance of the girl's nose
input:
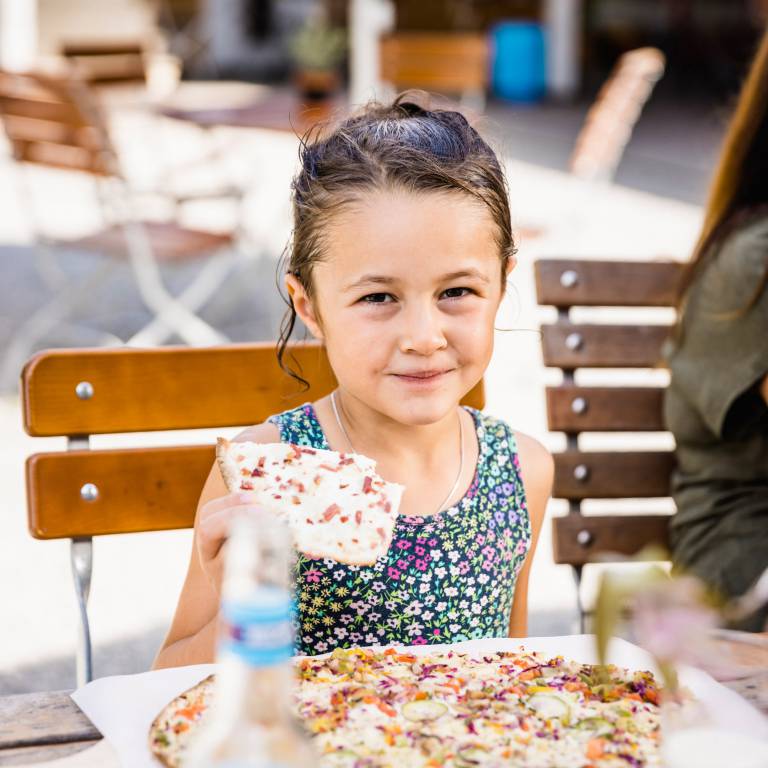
(422, 331)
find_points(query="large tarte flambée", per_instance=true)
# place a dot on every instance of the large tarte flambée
(371, 708)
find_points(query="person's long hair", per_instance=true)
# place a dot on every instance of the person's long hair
(739, 188)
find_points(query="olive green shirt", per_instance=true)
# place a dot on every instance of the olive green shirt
(719, 419)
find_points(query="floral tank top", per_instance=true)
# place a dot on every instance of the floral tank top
(447, 577)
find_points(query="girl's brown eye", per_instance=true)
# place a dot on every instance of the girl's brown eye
(376, 298)
(456, 293)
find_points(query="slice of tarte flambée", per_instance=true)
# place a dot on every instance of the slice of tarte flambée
(336, 504)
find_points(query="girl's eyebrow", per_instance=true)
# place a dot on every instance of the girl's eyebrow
(471, 272)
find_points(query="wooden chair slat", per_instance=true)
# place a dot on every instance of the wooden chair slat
(61, 156)
(612, 475)
(568, 345)
(42, 109)
(605, 409)
(165, 388)
(29, 129)
(169, 388)
(142, 489)
(580, 539)
(576, 282)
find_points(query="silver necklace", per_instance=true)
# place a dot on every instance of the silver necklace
(461, 449)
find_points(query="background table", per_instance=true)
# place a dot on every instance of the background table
(46, 726)
(277, 109)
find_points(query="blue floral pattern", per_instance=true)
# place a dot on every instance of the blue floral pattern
(446, 577)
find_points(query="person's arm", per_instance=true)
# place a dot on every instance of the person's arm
(764, 389)
(537, 470)
(192, 636)
(719, 359)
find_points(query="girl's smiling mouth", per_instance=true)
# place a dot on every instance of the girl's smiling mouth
(422, 377)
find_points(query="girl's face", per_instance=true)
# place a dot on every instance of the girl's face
(405, 301)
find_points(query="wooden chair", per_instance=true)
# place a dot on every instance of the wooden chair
(106, 62)
(447, 63)
(54, 121)
(81, 493)
(608, 125)
(573, 409)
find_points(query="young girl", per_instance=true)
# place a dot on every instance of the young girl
(401, 250)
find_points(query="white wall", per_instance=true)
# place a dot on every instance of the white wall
(97, 20)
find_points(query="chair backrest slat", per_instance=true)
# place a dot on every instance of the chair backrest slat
(604, 535)
(140, 390)
(605, 409)
(567, 283)
(143, 489)
(570, 345)
(612, 475)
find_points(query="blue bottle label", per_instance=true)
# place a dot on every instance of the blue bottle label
(259, 630)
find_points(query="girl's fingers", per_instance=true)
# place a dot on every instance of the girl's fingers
(213, 527)
(224, 502)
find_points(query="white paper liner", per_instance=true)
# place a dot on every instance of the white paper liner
(123, 707)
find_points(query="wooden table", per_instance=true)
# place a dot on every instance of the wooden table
(45, 726)
(276, 109)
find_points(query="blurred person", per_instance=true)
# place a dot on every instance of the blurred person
(717, 402)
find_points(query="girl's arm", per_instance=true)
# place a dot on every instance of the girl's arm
(764, 389)
(537, 470)
(192, 636)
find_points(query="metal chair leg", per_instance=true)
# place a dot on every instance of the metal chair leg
(192, 298)
(45, 319)
(81, 557)
(189, 326)
(577, 573)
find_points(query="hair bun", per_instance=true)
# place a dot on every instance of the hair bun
(412, 109)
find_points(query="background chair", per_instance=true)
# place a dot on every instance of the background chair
(54, 121)
(447, 63)
(574, 409)
(106, 62)
(81, 493)
(612, 117)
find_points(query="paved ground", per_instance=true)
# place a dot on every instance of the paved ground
(131, 607)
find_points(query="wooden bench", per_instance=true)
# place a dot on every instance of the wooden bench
(574, 409)
(81, 493)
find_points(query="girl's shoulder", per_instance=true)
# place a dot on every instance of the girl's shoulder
(266, 432)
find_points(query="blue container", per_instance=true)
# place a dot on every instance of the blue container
(519, 62)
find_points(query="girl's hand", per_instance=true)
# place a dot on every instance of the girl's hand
(213, 523)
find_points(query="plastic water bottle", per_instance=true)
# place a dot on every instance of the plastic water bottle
(251, 723)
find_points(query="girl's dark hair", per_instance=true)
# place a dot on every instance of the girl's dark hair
(739, 189)
(386, 146)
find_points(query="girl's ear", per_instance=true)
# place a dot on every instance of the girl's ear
(303, 305)
(511, 264)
